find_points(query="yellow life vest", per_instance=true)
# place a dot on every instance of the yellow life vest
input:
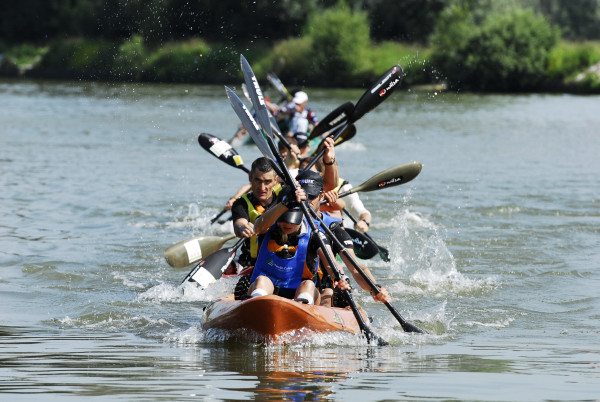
(253, 213)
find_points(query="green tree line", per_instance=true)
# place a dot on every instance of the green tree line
(510, 45)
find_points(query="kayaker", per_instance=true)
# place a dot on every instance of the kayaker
(301, 119)
(264, 188)
(311, 189)
(287, 260)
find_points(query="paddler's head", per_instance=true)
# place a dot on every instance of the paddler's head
(312, 184)
(262, 180)
(300, 99)
(291, 221)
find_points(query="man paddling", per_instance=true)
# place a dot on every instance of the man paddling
(264, 188)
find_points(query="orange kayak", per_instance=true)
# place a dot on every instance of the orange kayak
(272, 316)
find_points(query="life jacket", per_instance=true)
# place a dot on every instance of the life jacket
(327, 220)
(254, 211)
(283, 272)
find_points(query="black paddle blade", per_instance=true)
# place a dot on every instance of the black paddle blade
(248, 121)
(379, 92)
(340, 115)
(384, 254)
(222, 150)
(364, 247)
(258, 99)
(211, 268)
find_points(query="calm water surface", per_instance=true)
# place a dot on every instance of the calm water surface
(495, 249)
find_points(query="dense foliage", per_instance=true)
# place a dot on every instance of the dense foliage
(507, 45)
(507, 52)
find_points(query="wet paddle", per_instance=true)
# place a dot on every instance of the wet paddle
(382, 251)
(212, 267)
(267, 142)
(377, 93)
(364, 247)
(191, 250)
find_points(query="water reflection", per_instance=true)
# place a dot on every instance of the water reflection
(292, 373)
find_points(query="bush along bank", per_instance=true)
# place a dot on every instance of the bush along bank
(514, 51)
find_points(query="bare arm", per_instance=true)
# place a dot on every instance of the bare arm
(331, 176)
(382, 296)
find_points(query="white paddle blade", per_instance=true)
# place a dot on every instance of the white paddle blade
(192, 250)
(203, 277)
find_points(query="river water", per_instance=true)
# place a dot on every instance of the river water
(495, 249)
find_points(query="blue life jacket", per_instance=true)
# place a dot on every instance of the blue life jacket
(327, 220)
(283, 272)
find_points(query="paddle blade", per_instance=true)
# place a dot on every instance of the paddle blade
(192, 250)
(212, 267)
(348, 133)
(340, 115)
(278, 85)
(364, 247)
(248, 121)
(258, 100)
(380, 91)
(384, 253)
(222, 150)
(391, 177)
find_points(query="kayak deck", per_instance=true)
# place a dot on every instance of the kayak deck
(272, 316)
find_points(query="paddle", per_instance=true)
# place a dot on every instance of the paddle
(267, 142)
(377, 93)
(383, 252)
(191, 250)
(364, 247)
(333, 119)
(390, 177)
(212, 267)
(278, 85)
(222, 150)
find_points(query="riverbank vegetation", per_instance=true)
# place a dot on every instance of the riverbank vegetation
(476, 45)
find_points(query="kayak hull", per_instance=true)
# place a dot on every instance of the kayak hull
(272, 316)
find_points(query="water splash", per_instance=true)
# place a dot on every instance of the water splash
(421, 253)
(187, 292)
